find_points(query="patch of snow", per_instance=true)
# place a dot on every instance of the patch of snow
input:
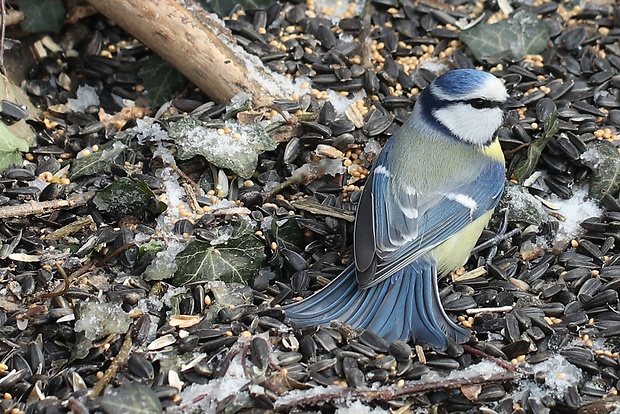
(204, 398)
(591, 157)
(147, 129)
(559, 375)
(357, 407)
(575, 210)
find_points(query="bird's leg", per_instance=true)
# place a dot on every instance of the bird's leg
(499, 237)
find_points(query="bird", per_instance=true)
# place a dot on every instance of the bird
(428, 197)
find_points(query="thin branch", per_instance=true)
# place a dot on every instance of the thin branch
(65, 288)
(390, 393)
(482, 354)
(115, 366)
(45, 207)
(323, 210)
(115, 253)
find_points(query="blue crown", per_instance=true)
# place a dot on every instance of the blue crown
(461, 81)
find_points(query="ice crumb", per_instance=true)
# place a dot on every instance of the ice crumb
(204, 398)
(100, 319)
(357, 407)
(147, 129)
(592, 157)
(575, 210)
(341, 103)
(86, 96)
(559, 375)
(483, 369)
(164, 265)
(279, 84)
(538, 243)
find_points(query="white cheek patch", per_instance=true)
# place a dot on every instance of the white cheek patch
(475, 126)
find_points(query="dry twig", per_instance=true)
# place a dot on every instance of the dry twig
(390, 393)
(34, 208)
(114, 367)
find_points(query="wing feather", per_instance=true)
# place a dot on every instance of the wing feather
(405, 224)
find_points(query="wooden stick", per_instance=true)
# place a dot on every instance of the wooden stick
(44, 207)
(319, 397)
(115, 366)
(70, 228)
(195, 43)
(322, 210)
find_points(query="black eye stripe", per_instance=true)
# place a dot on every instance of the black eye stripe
(479, 103)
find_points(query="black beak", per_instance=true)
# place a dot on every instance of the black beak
(512, 103)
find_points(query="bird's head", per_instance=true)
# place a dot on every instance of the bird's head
(465, 102)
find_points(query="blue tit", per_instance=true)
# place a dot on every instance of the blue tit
(429, 195)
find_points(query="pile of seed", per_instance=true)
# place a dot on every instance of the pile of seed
(550, 313)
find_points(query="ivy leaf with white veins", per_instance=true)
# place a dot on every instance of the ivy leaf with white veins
(238, 150)
(521, 34)
(237, 260)
(98, 162)
(42, 15)
(131, 398)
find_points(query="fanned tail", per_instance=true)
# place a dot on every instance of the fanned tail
(406, 305)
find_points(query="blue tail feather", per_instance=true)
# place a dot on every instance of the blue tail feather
(404, 306)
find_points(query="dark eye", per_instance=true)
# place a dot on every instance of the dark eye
(480, 103)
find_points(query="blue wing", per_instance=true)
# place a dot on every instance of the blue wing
(396, 224)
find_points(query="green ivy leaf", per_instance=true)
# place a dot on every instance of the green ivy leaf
(605, 165)
(128, 197)
(42, 15)
(11, 147)
(98, 162)
(237, 260)
(527, 166)
(237, 153)
(287, 234)
(521, 34)
(131, 398)
(160, 80)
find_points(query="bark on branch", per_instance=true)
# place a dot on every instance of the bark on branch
(197, 44)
